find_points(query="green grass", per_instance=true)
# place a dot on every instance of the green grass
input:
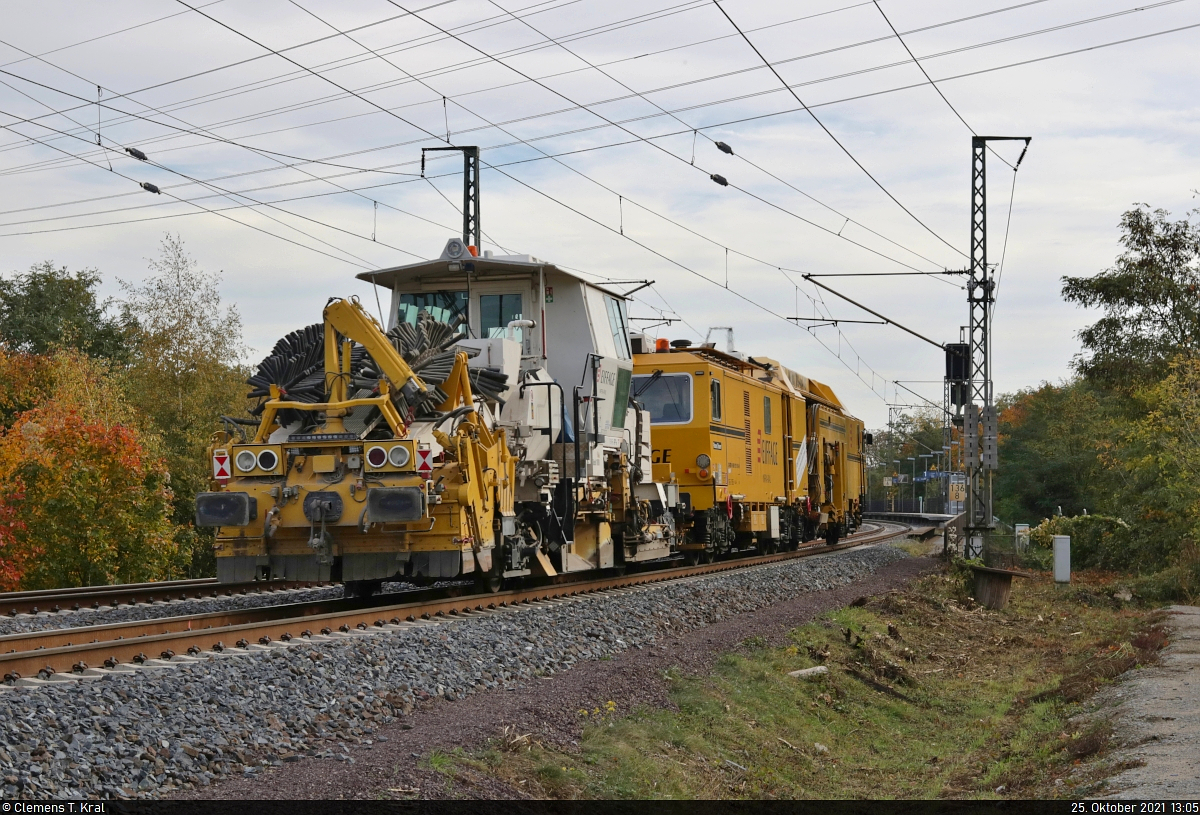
(444, 763)
(961, 702)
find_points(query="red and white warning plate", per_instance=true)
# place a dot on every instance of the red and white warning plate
(221, 470)
(425, 462)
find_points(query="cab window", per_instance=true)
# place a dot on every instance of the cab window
(618, 324)
(714, 393)
(767, 415)
(667, 397)
(448, 307)
(496, 311)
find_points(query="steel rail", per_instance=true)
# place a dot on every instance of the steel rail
(135, 629)
(72, 590)
(76, 599)
(158, 649)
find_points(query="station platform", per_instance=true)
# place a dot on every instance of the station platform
(915, 519)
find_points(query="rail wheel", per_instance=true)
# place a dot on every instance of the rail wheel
(832, 531)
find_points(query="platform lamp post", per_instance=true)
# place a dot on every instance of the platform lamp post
(896, 461)
(940, 474)
(925, 489)
(945, 466)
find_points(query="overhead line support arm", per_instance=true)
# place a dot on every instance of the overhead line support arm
(886, 320)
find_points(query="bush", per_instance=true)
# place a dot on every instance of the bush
(1097, 541)
(1179, 583)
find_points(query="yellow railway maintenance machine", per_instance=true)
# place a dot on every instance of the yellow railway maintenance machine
(487, 431)
(763, 457)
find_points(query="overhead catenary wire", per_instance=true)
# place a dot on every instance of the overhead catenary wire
(829, 132)
(271, 155)
(327, 79)
(1102, 46)
(766, 115)
(739, 155)
(689, 6)
(241, 62)
(268, 154)
(635, 135)
(191, 130)
(78, 43)
(1004, 247)
(707, 279)
(158, 191)
(784, 112)
(414, 43)
(726, 123)
(141, 156)
(270, 205)
(500, 62)
(933, 84)
(742, 254)
(439, 192)
(340, 87)
(838, 354)
(620, 230)
(744, 96)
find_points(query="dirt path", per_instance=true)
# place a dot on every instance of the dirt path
(1157, 719)
(395, 765)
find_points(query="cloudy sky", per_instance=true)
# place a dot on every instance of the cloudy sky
(301, 122)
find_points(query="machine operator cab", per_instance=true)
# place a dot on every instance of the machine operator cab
(562, 343)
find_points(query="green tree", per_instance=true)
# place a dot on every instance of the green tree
(49, 307)
(185, 372)
(907, 434)
(84, 495)
(1158, 464)
(1150, 300)
(1051, 440)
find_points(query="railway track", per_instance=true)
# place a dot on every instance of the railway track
(94, 597)
(62, 654)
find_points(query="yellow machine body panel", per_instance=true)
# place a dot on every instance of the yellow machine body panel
(708, 404)
(836, 476)
(327, 504)
(780, 447)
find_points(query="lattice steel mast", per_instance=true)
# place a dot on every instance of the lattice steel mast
(471, 229)
(979, 422)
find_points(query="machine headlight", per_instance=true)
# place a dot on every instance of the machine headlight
(399, 456)
(246, 460)
(702, 461)
(377, 457)
(267, 460)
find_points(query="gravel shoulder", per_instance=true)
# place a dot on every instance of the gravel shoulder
(1156, 719)
(394, 764)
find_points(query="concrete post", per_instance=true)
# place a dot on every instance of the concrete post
(1062, 558)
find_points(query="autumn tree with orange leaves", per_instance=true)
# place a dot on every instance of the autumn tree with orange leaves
(84, 490)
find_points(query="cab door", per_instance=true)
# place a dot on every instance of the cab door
(496, 311)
